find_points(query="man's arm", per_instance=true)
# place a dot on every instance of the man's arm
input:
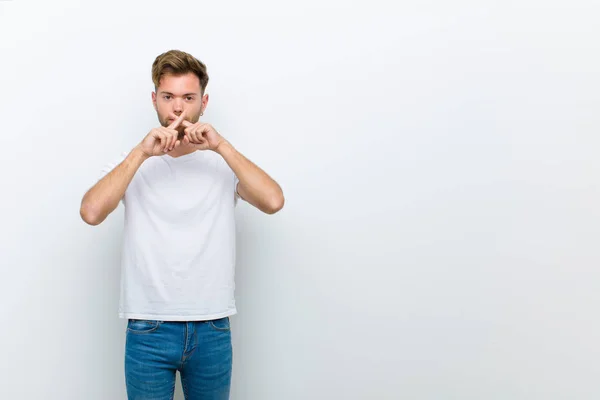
(255, 186)
(103, 198)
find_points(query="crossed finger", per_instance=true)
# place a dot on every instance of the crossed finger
(191, 131)
(178, 120)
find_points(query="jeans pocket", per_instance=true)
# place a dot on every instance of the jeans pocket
(221, 324)
(142, 325)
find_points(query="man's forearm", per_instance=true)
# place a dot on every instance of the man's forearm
(256, 186)
(103, 198)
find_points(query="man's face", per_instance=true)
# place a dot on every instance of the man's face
(177, 93)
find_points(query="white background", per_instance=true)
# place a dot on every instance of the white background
(439, 161)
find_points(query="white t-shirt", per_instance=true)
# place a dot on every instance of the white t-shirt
(178, 255)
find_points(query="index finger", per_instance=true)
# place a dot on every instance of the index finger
(185, 122)
(176, 123)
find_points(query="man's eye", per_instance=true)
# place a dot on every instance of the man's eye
(166, 97)
(190, 98)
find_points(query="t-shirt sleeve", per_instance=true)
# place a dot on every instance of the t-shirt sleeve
(236, 195)
(111, 165)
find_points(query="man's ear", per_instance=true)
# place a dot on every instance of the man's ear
(204, 102)
(154, 101)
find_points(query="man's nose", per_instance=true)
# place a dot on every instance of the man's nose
(178, 106)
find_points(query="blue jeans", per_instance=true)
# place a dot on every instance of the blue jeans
(200, 350)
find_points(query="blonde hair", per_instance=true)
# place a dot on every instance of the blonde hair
(176, 62)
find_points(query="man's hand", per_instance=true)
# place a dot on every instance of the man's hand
(162, 140)
(202, 135)
(255, 186)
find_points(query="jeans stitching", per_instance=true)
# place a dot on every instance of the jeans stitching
(183, 385)
(173, 388)
(157, 325)
(212, 325)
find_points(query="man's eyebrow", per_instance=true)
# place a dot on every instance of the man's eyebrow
(187, 94)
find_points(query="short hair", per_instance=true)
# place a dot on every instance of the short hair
(176, 62)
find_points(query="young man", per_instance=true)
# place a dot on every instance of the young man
(179, 186)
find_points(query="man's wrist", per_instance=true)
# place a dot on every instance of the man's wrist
(223, 147)
(139, 155)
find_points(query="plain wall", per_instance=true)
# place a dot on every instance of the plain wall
(439, 161)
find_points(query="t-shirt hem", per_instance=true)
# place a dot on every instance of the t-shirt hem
(171, 317)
